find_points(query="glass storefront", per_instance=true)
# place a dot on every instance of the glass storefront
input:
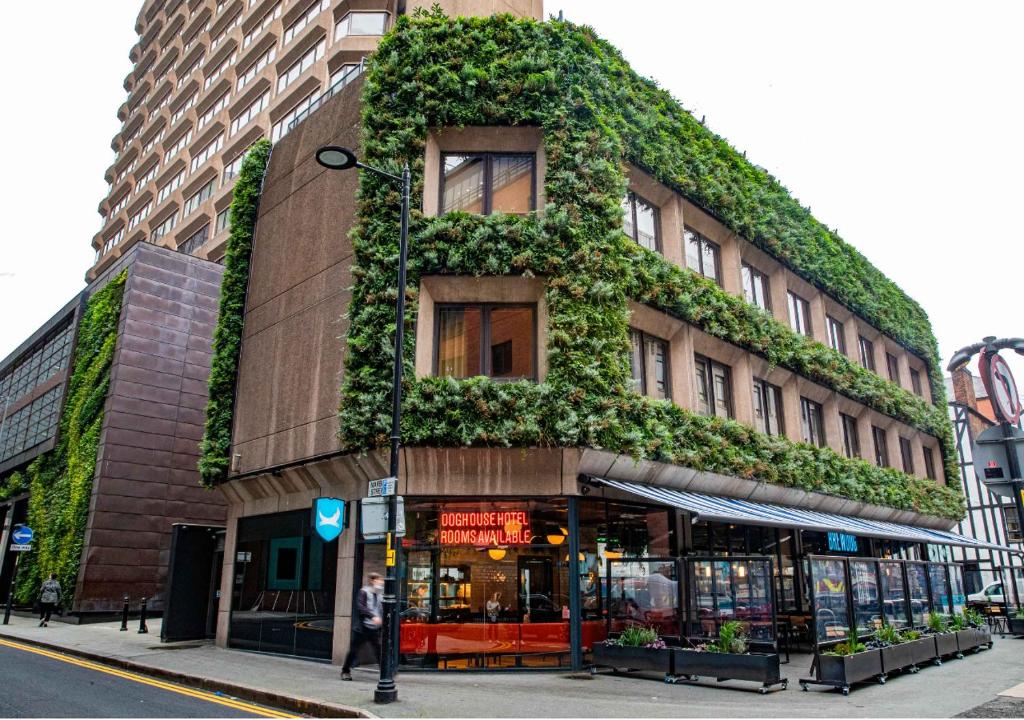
(283, 589)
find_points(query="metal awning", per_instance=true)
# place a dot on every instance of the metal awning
(733, 510)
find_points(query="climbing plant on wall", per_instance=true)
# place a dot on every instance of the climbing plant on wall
(60, 481)
(596, 114)
(215, 449)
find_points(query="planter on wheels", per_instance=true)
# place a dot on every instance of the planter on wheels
(973, 638)
(842, 671)
(1016, 626)
(922, 650)
(945, 645)
(899, 657)
(633, 658)
(761, 668)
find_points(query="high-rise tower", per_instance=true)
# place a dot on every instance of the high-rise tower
(210, 78)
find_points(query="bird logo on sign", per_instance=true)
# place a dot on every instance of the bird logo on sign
(329, 517)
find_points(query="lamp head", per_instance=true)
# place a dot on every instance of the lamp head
(334, 157)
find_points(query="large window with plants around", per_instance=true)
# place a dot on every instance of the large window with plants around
(497, 341)
(714, 387)
(485, 183)
(755, 287)
(649, 363)
(812, 419)
(702, 256)
(768, 408)
(641, 221)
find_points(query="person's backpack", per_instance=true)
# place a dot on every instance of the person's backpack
(50, 592)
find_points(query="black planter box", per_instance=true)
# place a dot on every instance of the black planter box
(1016, 626)
(945, 644)
(633, 658)
(844, 670)
(973, 638)
(899, 657)
(761, 668)
(922, 650)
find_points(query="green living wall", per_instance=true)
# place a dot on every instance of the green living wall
(215, 449)
(596, 114)
(60, 481)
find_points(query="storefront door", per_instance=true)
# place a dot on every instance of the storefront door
(536, 590)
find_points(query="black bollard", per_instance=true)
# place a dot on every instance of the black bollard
(124, 615)
(142, 618)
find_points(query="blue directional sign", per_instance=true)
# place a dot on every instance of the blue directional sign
(22, 535)
(329, 517)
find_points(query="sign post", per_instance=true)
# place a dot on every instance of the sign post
(21, 541)
(997, 462)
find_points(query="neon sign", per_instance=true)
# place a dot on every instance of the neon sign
(842, 542)
(506, 527)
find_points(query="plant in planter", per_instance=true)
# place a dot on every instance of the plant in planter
(636, 648)
(945, 641)
(898, 651)
(847, 663)
(728, 657)
(921, 648)
(971, 631)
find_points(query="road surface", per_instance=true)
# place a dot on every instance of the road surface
(40, 683)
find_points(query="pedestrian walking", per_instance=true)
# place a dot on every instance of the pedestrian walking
(366, 626)
(49, 599)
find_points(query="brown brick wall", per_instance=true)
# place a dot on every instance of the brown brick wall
(146, 477)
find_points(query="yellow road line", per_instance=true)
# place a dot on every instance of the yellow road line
(142, 679)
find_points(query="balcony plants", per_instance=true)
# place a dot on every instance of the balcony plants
(636, 648)
(728, 657)
(847, 663)
(945, 639)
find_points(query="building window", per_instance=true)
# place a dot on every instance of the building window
(216, 72)
(195, 241)
(649, 363)
(812, 420)
(755, 287)
(223, 221)
(1012, 520)
(907, 455)
(702, 255)
(915, 382)
(867, 353)
(836, 336)
(714, 388)
(799, 314)
(361, 23)
(253, 70)
(207, 152)
(180, 111)
(178, 145)
(263, 24)
(213, 110)
(234, 167)
(283, 126)
(881, 446)
(767, 408)
(301, 65)
(250, 113)
(485, 183)
(164, 227)
(307, 17)
(641, 221)
(493, 340)
(893, 367)
(196, 199)
(170, 186)
(929, 463)
(851, 438)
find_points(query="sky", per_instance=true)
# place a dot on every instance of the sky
(897, 123)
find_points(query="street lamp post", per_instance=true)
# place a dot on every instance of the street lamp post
(339, 158)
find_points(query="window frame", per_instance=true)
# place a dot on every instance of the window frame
(881, 448)
(836, 334)
(851, 436)
(906, 455)
(754, 273)
(791, 299)
(929, 463)
(762, 388)
(488, 158)
(915, 382)
(709, 366)
(866, 351)
(892, 367)
(644, 337)
(703, 240)
(807, 427)
(631, 197)
(485, 337)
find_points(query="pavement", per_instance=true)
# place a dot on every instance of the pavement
(957, 687)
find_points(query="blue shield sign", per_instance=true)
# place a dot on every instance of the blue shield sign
(329, 517)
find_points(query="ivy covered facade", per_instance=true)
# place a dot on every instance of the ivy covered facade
(596, 116)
